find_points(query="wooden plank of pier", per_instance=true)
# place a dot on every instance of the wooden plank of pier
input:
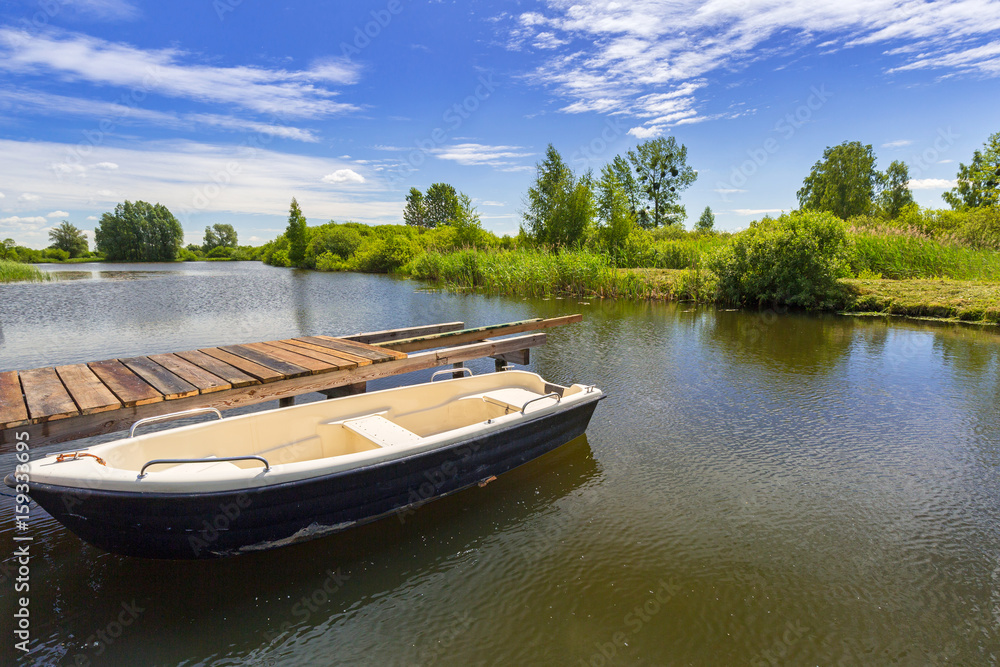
(45, 395)
(79, 400)
(13, 411)
(130, 389)
(375, 337)
(160, 378)
(261, 373)
(321, 354)
(205, 381)
(221, 369)
(90, 394)
(462, 336)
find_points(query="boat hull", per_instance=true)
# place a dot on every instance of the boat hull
(212, 525)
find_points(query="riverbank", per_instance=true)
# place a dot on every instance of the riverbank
(964, 300)
(587, 276)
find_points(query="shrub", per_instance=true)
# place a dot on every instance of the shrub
(329, 261)
(279, 258)
(220, 251)
(57, 254)
(335, 239)
(795, 259)
(383, 255)
(186, 255)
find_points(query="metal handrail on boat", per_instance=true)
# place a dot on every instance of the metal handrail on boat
(172, 415)
(212, 459)
(556, 395)
(453, 370)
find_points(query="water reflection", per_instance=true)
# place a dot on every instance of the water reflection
(263, 603)
(840, 474)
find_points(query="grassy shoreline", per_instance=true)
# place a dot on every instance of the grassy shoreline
(584, 275)
(11, 272)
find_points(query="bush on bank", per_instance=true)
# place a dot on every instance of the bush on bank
(793, 260)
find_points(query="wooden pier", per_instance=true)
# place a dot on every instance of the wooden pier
(62, 403)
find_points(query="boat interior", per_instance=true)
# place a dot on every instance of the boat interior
(394, 418)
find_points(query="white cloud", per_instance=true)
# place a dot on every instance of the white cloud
(57, 214)
(548, 40)
(344, 176)
(104, 10)
(92, 218)
(115, 114)
(729, 191)
(932, 183)
(650, 46)
(2, 195)
(489, 203)
(27, 197)
(899, 143)
(77, 57)
(757, 211)
(104, 165)
(641, 132)
(470, 154)
(192, 178)
(21, 224)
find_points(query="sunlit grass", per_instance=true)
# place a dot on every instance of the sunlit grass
(11, 272)
(903, 254)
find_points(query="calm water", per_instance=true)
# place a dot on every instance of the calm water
(757, 489)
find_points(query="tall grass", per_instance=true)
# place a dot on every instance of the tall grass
(526, 272)
(909, 253)
(670, 253)
(11, 272)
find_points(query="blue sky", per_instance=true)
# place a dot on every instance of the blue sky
(223, 110)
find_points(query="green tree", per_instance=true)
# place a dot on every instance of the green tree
(559, 206)
(7, 249)
(575, 215)
(894, 190)
(614, 211)
(67, 237)
(139, 231)
(553, 178)
(441, 204)
(979, 181)
(415, 212)
(296, 234)
(468, 228)
(843, 182)
(210, 241)
(662, 173)
(219, 236)
(706, 223)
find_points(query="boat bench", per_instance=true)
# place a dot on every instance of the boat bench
(381, 431)
(512, 398)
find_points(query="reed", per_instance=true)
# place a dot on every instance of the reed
(530, 272)
(901, 254)
(11, 272)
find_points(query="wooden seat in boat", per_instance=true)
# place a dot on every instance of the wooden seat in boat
(381, 431)
(513, 398)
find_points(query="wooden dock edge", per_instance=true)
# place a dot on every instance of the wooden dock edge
(107, 422)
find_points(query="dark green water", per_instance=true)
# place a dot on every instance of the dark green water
(757, 489)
